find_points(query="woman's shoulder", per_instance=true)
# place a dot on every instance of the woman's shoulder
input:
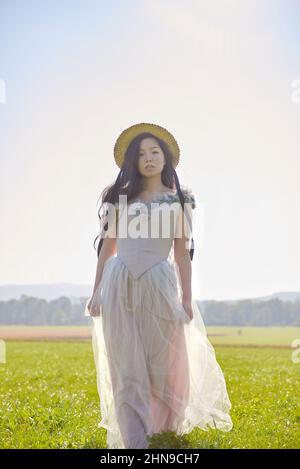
(166, 196)
(188, 195)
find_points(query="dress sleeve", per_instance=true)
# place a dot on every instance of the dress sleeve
(184, 226)
(189, 198)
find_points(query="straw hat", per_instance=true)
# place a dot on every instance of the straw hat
(128, 134)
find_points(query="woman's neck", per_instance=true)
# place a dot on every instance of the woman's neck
(152, 188)
(153, 184)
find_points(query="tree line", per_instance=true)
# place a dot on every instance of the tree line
(33, 311)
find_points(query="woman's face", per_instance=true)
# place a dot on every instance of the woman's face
(151, 158)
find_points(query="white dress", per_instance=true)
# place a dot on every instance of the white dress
(156, 369)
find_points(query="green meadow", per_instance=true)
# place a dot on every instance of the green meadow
(49, 397)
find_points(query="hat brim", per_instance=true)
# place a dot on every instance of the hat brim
(131, 132)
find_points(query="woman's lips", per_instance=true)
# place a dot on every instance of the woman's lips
(150, 167)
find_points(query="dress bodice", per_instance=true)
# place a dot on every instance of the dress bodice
(145, 230)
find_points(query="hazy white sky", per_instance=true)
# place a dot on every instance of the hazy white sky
(217, 74)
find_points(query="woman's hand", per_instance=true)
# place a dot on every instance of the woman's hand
(93, 307)
(188, 308)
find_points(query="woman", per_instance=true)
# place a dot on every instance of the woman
(156, 369)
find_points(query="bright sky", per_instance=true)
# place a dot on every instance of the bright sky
(217, 74)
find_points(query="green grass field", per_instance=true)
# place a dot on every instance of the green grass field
(49, 397)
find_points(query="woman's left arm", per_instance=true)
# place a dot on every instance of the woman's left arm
(183, 260)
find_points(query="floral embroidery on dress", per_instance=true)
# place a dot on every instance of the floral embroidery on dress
(144, 208)
(189, 197)
(168, 197)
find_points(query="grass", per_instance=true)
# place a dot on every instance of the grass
(49, 399)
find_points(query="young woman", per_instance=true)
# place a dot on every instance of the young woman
(156, 369)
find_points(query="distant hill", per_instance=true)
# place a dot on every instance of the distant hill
(51, 291)
(283, 296)
(47, 291)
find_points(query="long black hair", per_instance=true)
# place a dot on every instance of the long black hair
(129, 180)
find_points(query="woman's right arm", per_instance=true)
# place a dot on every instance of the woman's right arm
(108, 249)
(108, 234)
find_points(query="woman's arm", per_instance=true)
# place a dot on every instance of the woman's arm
(183, 260)
(182, 257)
(108, 249)
(108, 234)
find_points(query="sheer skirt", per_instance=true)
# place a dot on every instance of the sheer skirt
(156, 369)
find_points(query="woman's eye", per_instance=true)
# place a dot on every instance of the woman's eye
(152, 152)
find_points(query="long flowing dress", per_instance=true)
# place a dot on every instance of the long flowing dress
(156, 369)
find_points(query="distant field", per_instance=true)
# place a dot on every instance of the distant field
(49, 399)
(45, 332)
(259, 336)
(220, 335)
